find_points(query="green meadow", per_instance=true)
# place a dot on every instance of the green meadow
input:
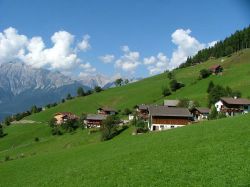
(209, 153)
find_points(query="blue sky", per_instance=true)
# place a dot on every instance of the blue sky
(159, 34)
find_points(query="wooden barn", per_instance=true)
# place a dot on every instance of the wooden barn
(163, 118)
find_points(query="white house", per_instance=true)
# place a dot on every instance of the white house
(233, 106)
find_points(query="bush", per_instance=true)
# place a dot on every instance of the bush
(174, 85)
(36, 139)
(204, 73)
(210, 86)
(1, 131)
(98, 89)
(56, 131)
(70, 125)
(109, 128)
(127, 111)
(213, 114)
(166, 91)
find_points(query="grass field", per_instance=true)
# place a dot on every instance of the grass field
(236, 75)
(213, 153)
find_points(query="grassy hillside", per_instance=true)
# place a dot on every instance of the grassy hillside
(213, 153)
(236, 75)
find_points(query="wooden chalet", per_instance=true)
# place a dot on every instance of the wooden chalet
(62, 117)
(200, 113)
(94, 120)
(106, 111)
(233, 106)
(163, 118)
(216, 69)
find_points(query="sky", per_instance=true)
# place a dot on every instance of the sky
(129, 38)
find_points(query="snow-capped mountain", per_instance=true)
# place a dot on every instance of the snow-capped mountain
(22, 86)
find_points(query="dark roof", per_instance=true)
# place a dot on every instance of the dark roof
(169, 111)
(203, 110)
(171, 102)
(215, 67)
(96, 117)
(235, 101)
(143, 107)
(107, 109)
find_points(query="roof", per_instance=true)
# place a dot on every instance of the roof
(215, 66)
(171, 102)
(96, 117)
(235, 101)
(143, 107)
(169, 111)
(108, 109)
(203, 110)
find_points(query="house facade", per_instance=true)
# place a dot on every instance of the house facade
(233, 106)
(200, 113)
(142, 111)
(163, 118)
(94, 120)
(62, 117)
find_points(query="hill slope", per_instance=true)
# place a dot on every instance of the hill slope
(236, 75)
(213, 153)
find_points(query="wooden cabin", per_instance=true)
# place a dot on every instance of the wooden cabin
(94, 120)
(163, 118)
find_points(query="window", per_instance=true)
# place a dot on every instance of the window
(162, 126)
(172, 126)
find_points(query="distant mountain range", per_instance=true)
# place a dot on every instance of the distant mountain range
(22, 86)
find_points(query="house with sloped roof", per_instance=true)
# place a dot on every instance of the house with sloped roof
(94, 120)
(233, 106)
(216, 69)
(163, 117)
(200, 113)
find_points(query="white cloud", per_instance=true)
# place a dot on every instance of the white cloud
(211, 44)
(186, 46)
(84, 45)
(129, 60)
(107, 58)
(157, 64)
(11, 44)
(61, 56)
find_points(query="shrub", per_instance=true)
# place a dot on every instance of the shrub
(56, 131)
(213, 114)
(7, 158)
(127, 111)
(210, 86)
(166, 91)
(36, 139)
(1, 131)
(109, 127)
(98, 89)
(174, 85)
(204, 73)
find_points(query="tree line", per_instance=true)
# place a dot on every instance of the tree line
(236, 42)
